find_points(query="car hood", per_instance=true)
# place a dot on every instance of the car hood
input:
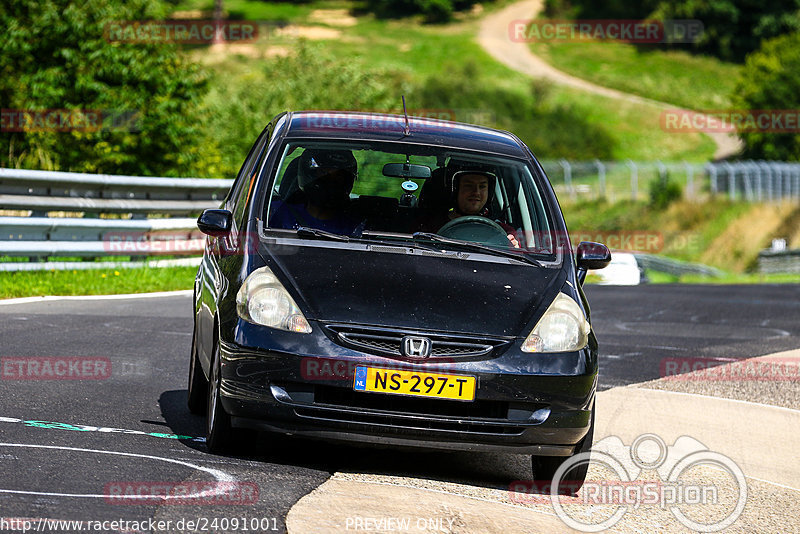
(395, 288)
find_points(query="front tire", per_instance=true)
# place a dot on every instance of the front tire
(219, 432)
(198, 383)
(544, 467)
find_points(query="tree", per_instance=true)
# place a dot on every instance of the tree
(434, 10)
(55, 56)
(770, 80)
(734, 28)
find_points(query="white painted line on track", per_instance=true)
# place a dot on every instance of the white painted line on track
(220, 476)
(50, 298)
(54, 425)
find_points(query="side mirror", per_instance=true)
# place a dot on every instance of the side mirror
(215, 223)
(591, 256)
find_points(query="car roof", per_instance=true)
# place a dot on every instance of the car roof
(387, 127)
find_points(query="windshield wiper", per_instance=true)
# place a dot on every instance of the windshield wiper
(475, 246)
(305, 231)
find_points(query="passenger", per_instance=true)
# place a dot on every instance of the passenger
(325, 178)
(470, 196)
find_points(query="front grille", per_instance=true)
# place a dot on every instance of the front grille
(346, 397)
(386, 342)
(397, 424)
(396, 413)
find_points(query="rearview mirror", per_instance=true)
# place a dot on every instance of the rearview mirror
(406, 170)
(590, 255)
(215, 223)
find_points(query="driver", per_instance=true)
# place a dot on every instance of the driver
(470, 194)
(326, 177)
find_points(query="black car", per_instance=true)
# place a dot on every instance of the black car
(397, 281)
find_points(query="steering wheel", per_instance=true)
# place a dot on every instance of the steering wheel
(477, 229)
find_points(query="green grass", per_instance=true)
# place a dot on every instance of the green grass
(256, 9)
(656, 277)
(674, 76)
(567, 122)
(95, 281)
(686, 230)
(634, 129)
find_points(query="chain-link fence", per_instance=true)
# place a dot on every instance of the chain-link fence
(752, 181)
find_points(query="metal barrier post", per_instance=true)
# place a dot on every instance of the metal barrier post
(712, 177)
(567, 176)
(601, 177)
(689, 180)
(634, 179)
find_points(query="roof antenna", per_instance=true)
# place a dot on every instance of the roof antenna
(407, 130)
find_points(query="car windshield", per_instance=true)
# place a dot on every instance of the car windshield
(403, 191)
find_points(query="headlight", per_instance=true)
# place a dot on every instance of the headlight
(562, 328)
(263, 300)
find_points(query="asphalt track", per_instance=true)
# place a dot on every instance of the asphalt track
(65, 445)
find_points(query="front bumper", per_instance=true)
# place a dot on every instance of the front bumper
(527, 404)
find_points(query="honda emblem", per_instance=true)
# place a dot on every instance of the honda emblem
(416, 347)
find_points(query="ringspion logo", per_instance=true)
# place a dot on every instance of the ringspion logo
(648, 473)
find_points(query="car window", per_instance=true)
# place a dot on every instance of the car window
(342, 187)
(247, 166)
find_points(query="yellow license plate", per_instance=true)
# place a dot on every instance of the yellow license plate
(415, 383)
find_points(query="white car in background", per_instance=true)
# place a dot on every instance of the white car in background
(622, 271)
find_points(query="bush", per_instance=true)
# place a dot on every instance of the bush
(550, 131)
(733, 28)
(55, 56)
(309, 79)
(770, 80)
(663, 192)
(434, 10)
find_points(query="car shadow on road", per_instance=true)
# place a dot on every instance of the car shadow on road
(489, 470)
(179, 420)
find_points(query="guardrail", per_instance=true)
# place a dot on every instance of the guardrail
(38, 236)
(51, 236)
(779, 261)
(674, 267)
(32, 182)
(43, 191)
